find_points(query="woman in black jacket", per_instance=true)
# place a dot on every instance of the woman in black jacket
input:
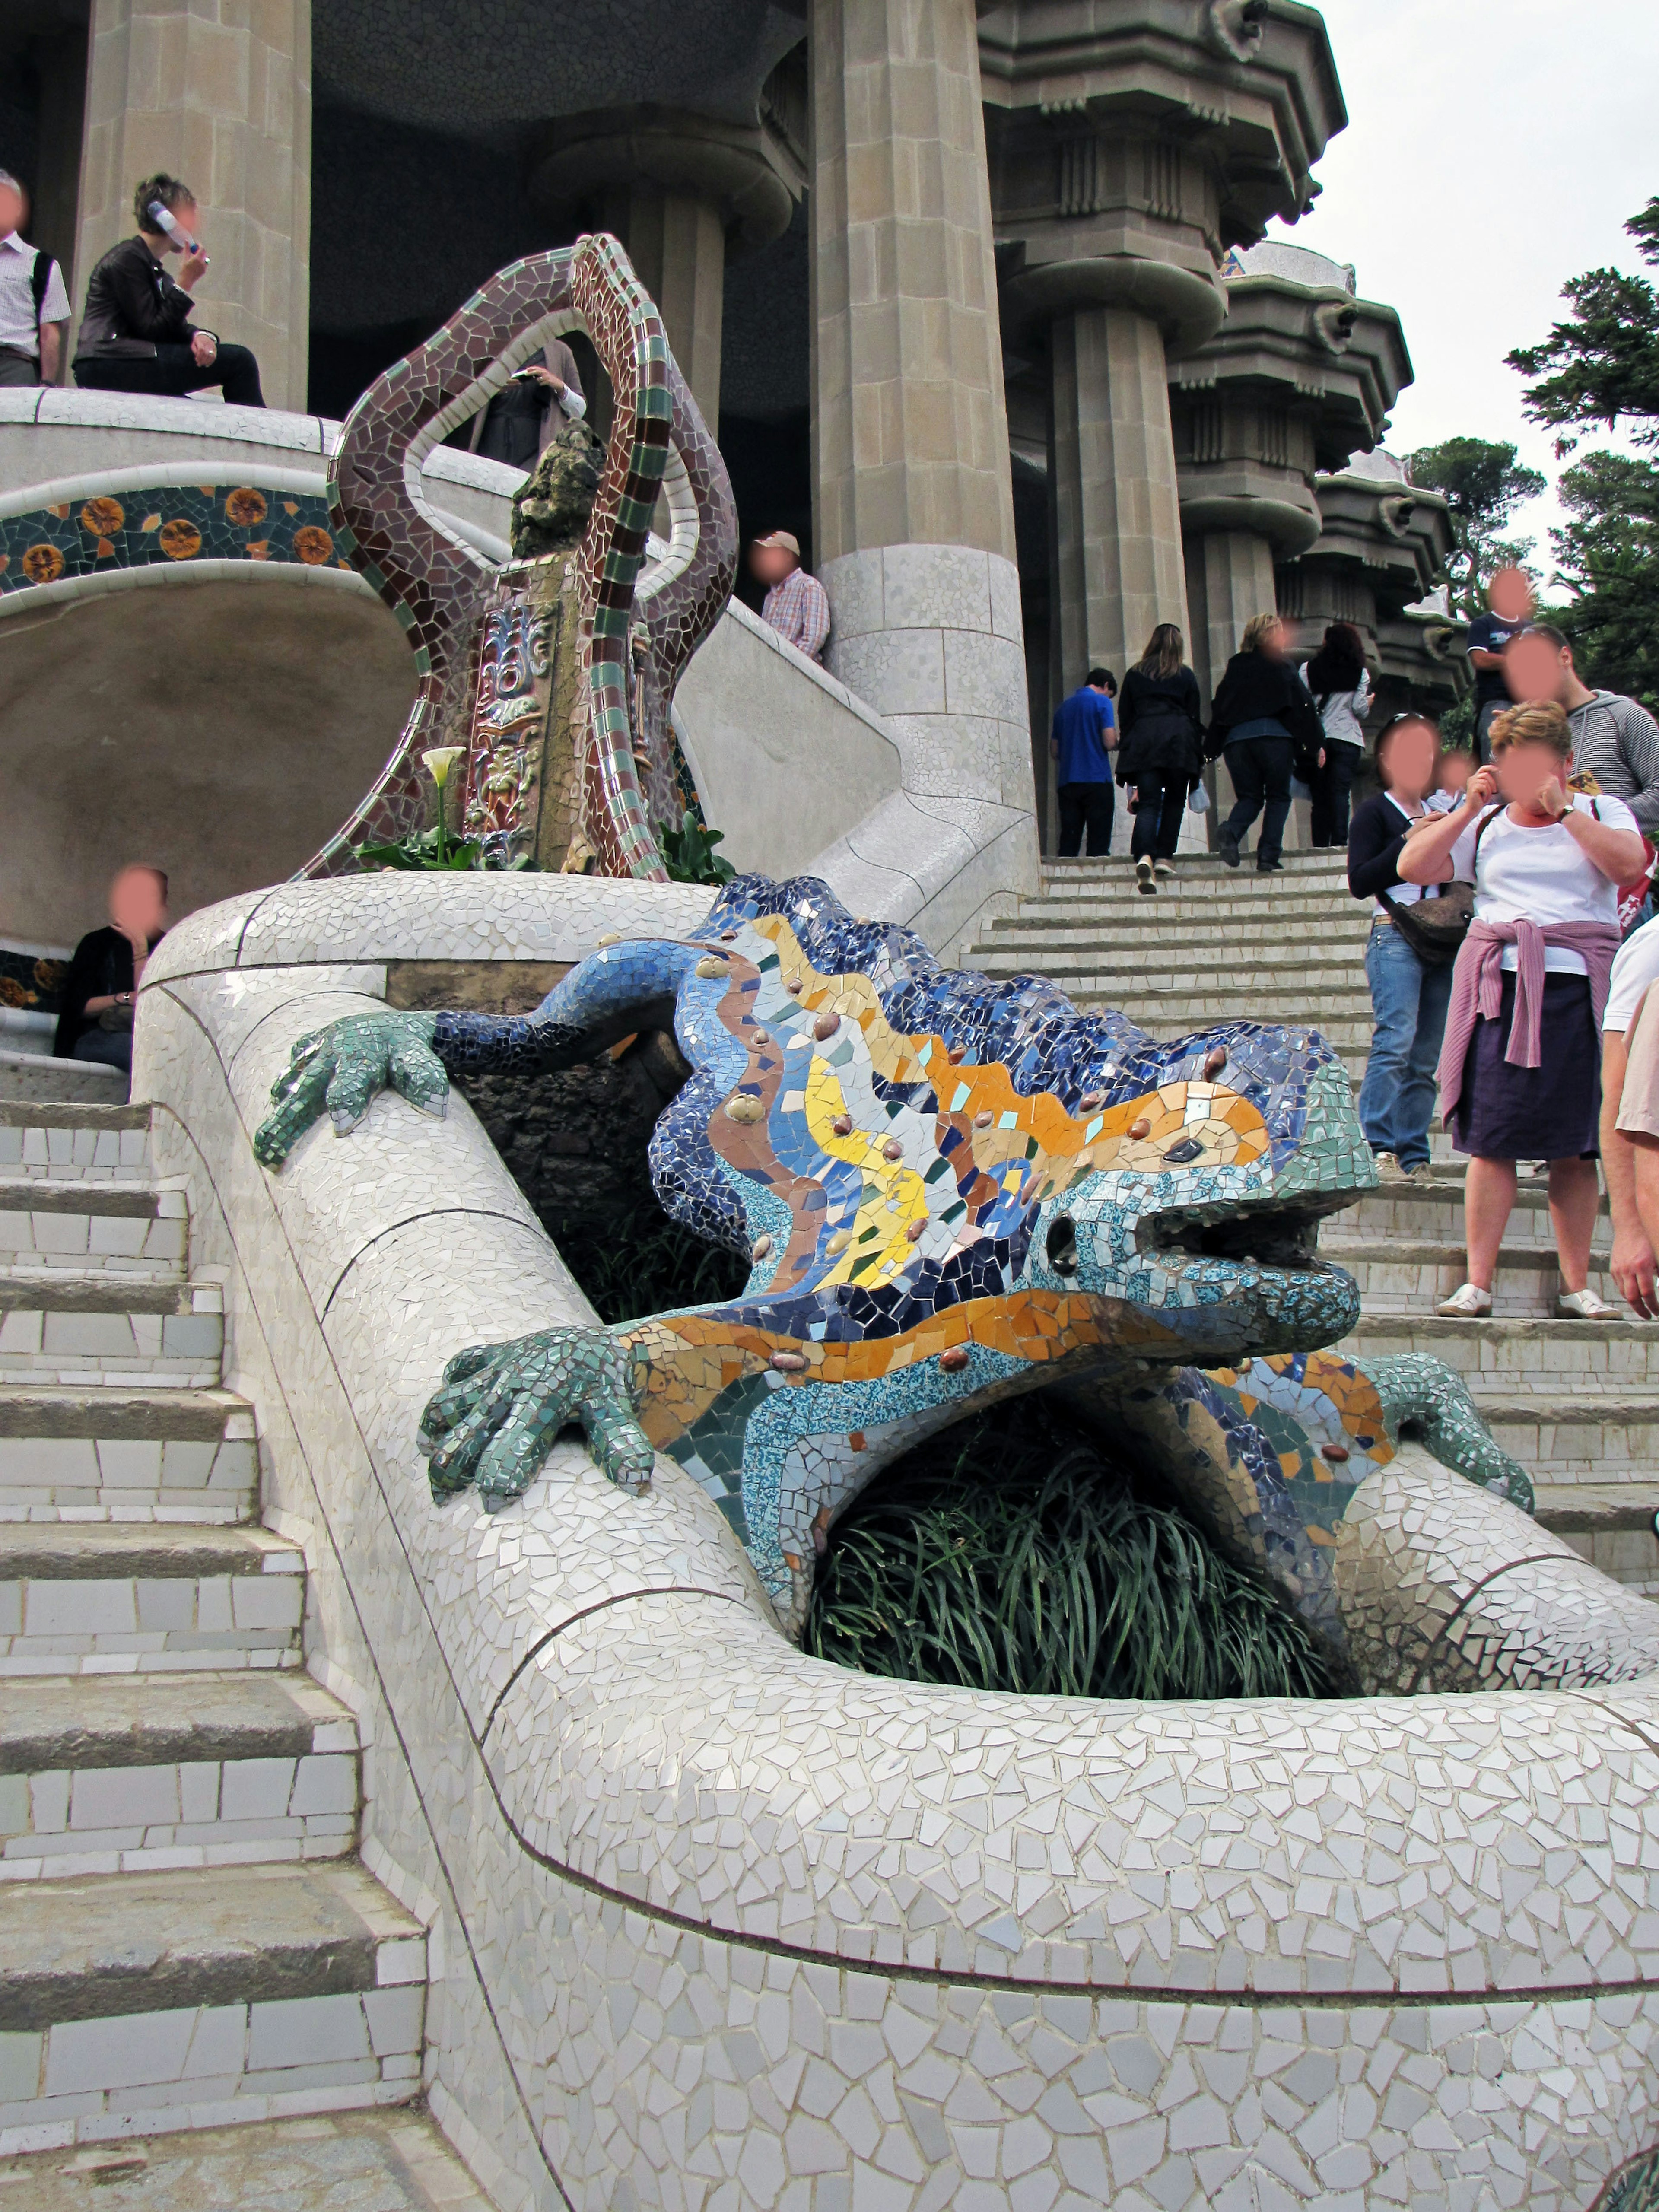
(1159, 750)
(1409, 996)
(1263, 719)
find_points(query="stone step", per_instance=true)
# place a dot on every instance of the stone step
(1155, 938)
(58, 1327)
(1431, 1210)
(93, 1227)
(1120, 866)
(144, 2001)
(1610, 1524)
(36, 1078)
(83, 1143)
(120, 1453)
(1617, 1359)
(109, 1599)
(110, 1774)
(1162, 967)
(1403, 1275)
(387, 2160)
(1180, 904)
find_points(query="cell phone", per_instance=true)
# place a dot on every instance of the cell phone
(163, 217)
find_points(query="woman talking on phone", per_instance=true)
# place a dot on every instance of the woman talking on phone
(1520, 1068)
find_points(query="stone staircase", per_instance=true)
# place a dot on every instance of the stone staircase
(190, 1938)
(1576, 1403)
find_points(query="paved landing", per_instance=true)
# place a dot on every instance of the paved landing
(391, 2161)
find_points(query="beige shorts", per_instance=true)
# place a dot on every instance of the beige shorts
(1638, 1101)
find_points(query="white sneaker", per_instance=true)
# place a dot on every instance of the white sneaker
(1164, 868)
(1389, 1169)
(1144, 879)
(1470, 1303)
(1584, 1305)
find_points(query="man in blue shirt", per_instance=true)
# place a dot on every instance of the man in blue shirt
(1084, 733)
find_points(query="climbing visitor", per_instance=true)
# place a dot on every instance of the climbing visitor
(1160, 751)
(1263, 719)
(135, 331)
(1411, 983)
(1081, 742)
(1630, 1117)
(95, 1005)
(1520, 1064)
(1342, 686)
(1510, 609)
(34, 308)
(796, 606)
(532, 407)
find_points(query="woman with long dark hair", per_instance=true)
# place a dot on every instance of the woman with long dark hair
(1160, 750)
(1342, 688)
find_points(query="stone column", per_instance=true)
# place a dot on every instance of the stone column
(1117, 562)
(1229, 577)
(913, 506)
(679, 190)
(223, 101)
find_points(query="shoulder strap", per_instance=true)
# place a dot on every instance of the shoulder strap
(40, 277)
(1485, 821)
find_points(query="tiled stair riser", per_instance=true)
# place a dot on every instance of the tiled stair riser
(133, 1231)
(110, 1146)
(212, 1481)
(127, 1340)
(218, 1604)
(1523, 1355)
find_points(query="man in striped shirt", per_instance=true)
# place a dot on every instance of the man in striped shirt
(796, 606)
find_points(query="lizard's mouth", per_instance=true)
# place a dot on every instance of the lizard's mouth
(1277, 1237)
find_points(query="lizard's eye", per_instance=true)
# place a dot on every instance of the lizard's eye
(1062, 1244)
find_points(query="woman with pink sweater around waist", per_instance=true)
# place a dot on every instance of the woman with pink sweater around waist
(1520, 1068)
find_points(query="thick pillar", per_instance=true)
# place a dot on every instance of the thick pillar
(222, 98)
(678, 245)
(1117, 564)
(914, 515)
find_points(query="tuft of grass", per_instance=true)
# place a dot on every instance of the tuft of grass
(1007, 1555)
(647, 1264)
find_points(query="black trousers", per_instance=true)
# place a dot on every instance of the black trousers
(1330, 788)
(1158, 809)
(173, 372)
(1085, 806)
(1260, 770)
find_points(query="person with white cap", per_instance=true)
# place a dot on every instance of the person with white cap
(797, 605)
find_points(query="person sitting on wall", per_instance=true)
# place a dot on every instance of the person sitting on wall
(94, 1018)
(797, 605)
(1081, 739)
(531, 409)
(34, 309)
(136, 334)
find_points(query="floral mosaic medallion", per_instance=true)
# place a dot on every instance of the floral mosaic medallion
(176, 524)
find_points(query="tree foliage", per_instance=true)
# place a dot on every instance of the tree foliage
(1608, 554)
(1601, 364)
(1484, 482)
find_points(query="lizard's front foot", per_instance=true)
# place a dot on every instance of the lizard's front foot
(341, 1068)
(502, 1405)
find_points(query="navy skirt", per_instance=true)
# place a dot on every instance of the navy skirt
(1550, 1112)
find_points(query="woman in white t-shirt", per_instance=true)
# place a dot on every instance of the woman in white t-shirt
(1520, 1068)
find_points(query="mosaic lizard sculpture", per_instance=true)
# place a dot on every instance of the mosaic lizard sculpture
(950, 1191)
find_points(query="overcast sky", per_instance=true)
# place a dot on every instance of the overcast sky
(1494, 149)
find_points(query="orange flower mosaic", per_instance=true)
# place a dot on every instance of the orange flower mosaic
(180, 540)
(103, 517)
(313, 546)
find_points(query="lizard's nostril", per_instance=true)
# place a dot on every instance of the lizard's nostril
(1062, 1244)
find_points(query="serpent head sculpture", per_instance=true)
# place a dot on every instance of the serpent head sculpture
(637, 635)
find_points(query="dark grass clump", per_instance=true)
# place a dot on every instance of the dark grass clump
(646, 1264)
(1007, 1555)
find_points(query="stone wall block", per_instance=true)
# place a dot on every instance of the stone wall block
(939, 586)
(903, 671)
(984, 676)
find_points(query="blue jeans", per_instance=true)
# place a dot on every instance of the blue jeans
(1410, 998)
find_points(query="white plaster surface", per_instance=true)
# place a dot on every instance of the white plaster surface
(720, 1925)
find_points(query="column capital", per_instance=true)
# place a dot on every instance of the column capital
(746, 173)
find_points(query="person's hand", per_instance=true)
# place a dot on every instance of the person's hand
(1552, 800)
(137, 940)
(1322, 756)
(537, 374)
(203, 347)
(189, 269)
(1633, 1268)
(1482, 789)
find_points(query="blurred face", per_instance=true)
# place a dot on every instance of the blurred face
(1408, 760)
(1271, 645)
(184, 214)
(1523, 770)
(770, 564)
(1509, 595)
(1535, 669)
(1454, 771)
(13, 210)
(136, 904)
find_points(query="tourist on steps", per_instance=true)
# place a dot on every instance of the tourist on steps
(1520, 1067)
(1081, 742)
(1630, 1117)
(1341, 687)
(1410, 991)
(135, 331)
(1262, 716)
(1160, 750)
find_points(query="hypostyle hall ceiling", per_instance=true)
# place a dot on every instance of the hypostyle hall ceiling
(477, 67)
